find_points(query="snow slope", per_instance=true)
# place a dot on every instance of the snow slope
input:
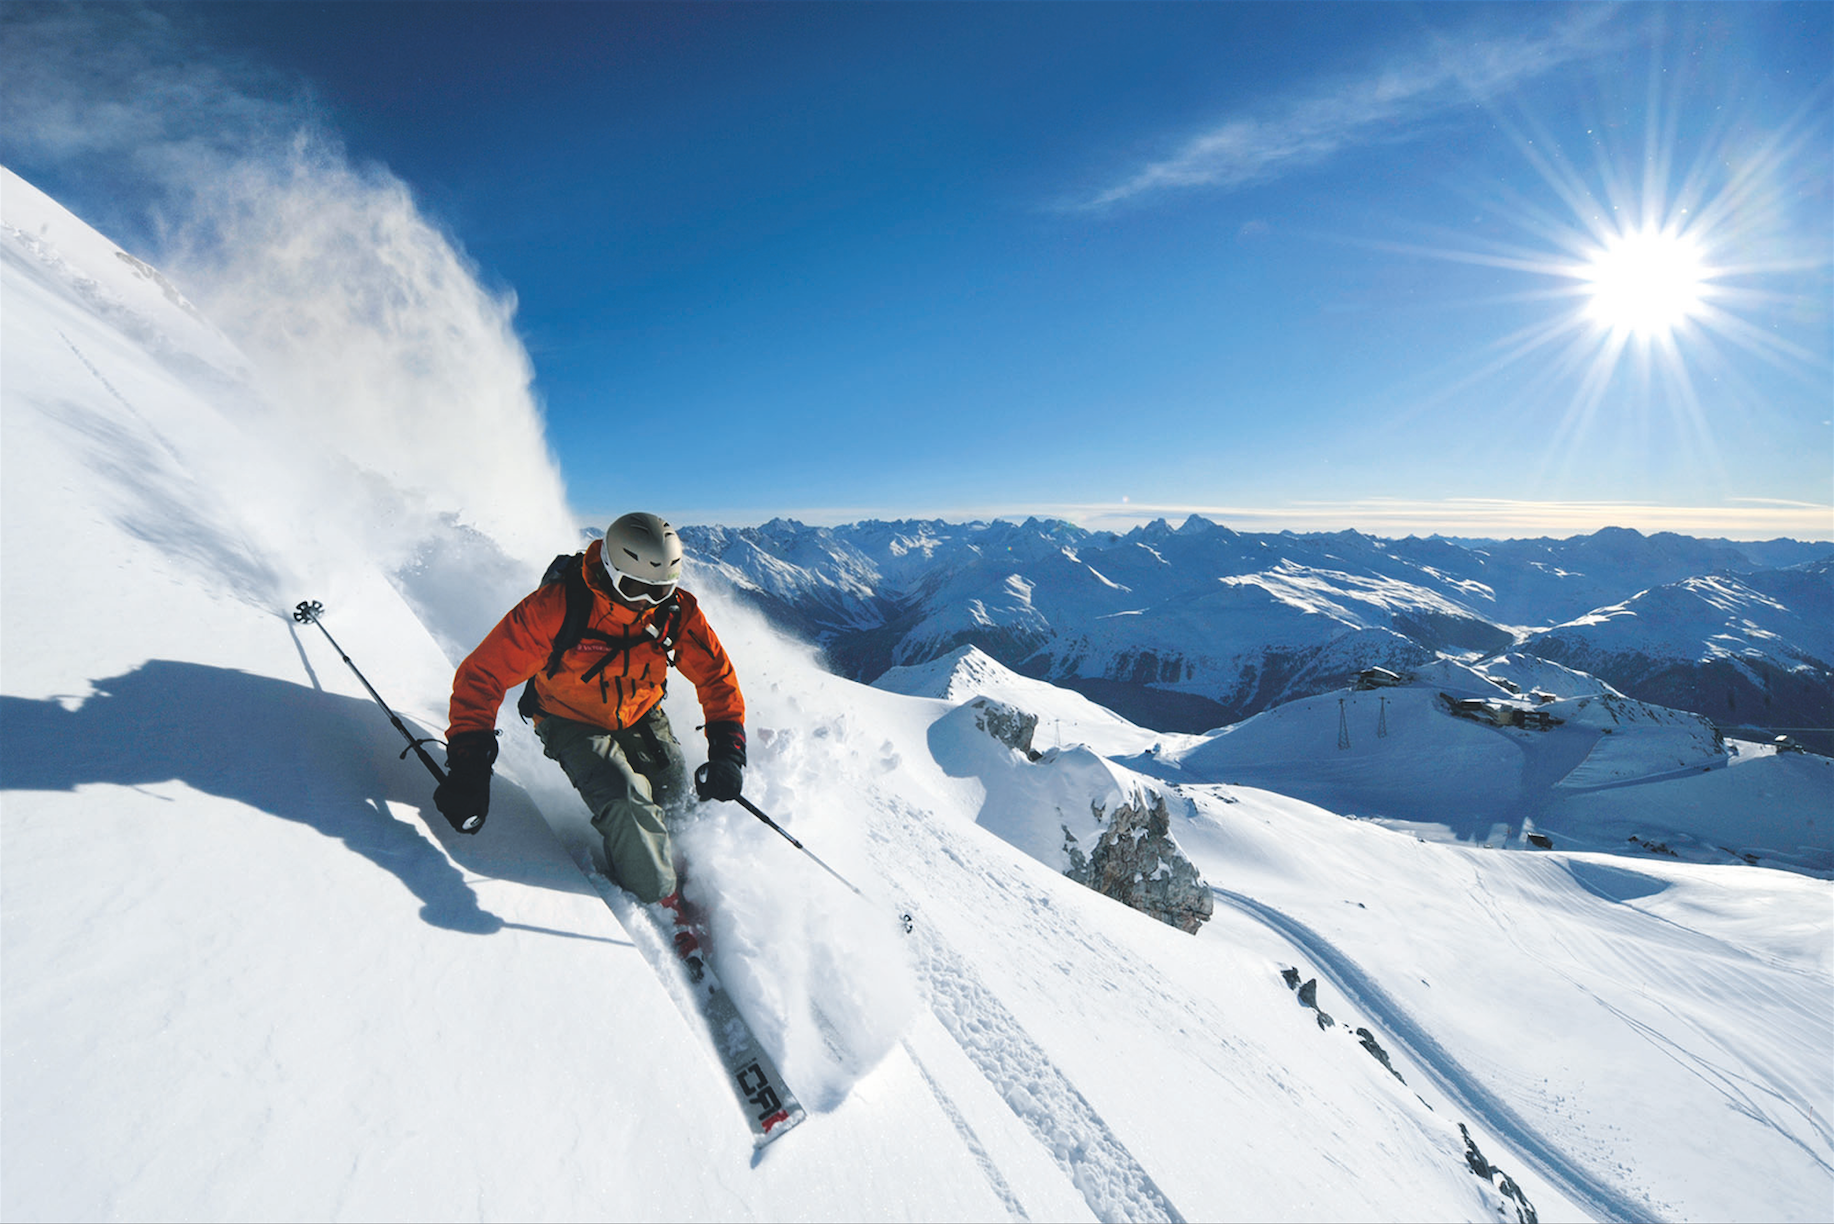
(247, 972)
(1612, 774)
(1494, 975)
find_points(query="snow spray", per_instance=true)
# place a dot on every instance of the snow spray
(369, 372)
(827, 982)
(904, 919)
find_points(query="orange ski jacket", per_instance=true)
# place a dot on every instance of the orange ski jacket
(622, 692)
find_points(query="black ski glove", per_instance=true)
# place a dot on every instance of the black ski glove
(464, 797)
(723, 776)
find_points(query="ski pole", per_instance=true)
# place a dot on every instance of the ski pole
(308, 613)
(753, 808)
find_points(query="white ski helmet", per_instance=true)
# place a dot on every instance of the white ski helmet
(642, 557)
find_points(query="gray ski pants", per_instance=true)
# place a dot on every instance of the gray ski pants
(630, 780)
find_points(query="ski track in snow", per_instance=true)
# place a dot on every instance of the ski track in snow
(995, 1180)
(1104, 1172)
(1451, 1078)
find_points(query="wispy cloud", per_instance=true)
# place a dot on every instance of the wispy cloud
(1308, 127)
(1494, 518)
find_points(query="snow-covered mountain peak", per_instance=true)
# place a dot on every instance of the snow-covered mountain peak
(1336, 594)
(964, 673)
(1528, 674)
(1745, 650)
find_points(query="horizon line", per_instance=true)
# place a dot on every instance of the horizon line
(1755, 521)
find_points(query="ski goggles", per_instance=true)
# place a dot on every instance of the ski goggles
(638, 591)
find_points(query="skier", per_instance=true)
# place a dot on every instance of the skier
(595, 681)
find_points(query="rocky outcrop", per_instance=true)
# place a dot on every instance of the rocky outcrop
(1368, 1041)
(1525, 1210)
(1308, 996)
(1127, 854)
(1136, 862)
(1008, 724)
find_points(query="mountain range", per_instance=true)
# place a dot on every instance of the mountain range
(1193, 627)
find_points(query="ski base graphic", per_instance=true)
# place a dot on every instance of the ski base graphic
(769, 1106)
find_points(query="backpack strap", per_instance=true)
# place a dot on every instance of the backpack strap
(566, 569)
(662, 629)
(579, 610)
(668, 626)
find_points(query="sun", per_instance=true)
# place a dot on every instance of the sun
(1660, 277)
(1663, 283)
(1645, 283)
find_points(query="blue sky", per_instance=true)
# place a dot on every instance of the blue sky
(1305, 265)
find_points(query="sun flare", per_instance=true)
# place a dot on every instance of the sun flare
(1645, 283)
(1674, 279)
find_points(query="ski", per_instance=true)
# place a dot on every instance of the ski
(770, 1108)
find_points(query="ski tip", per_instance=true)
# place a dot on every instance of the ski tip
(777, 1124)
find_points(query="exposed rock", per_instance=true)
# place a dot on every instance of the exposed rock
(1377, 1052)
(1308, 997)
(1474, 1158)
(1136, 862)
(1012, 727)
(1073, 853)
(1525, 1210)
(1133, 859)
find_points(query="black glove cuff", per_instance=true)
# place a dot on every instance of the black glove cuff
(471, 752)
(726, 742)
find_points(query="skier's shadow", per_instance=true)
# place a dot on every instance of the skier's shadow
(298, 753)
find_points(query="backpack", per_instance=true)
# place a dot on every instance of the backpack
(566, 569)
